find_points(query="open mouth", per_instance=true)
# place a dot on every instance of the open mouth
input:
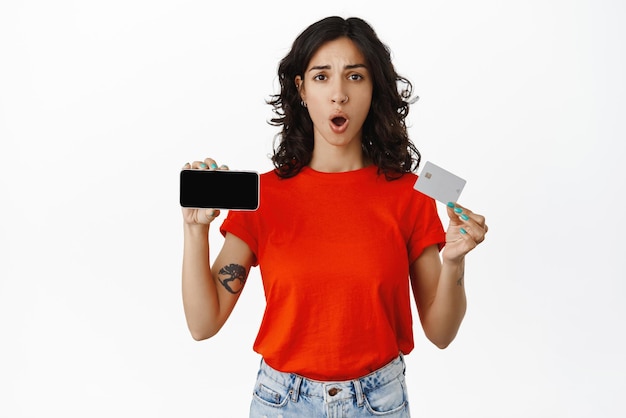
(339, 121)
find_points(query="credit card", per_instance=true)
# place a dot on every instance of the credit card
(438, 183)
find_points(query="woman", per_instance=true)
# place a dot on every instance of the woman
(339, 234)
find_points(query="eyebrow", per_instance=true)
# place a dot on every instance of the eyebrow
(347, 67)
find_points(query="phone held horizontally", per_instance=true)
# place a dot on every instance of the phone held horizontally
(219, 189)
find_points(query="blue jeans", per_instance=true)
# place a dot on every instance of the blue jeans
(284, 395)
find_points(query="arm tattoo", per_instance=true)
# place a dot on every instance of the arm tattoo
(234, 273)
(459, 282)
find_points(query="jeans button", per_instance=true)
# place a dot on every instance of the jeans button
(333, 391)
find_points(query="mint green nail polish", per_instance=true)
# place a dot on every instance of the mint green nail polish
(458, 210)
(450, 204)
(202, 165)
(465, 217)
(213, 165)
(463, 231)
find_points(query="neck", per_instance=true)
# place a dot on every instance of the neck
(337, 163)
(329, 158)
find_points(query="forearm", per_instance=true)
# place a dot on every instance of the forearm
(448, 306)
(200, 298)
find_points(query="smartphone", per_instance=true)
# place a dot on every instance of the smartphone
(219, 189)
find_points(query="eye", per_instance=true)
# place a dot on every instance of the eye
(319, 77)
(355, 77)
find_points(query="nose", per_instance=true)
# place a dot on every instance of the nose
(340, 98)
(338, 94)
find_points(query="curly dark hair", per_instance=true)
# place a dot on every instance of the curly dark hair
(385, 139)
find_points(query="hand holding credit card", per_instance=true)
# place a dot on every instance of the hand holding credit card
(439, 184)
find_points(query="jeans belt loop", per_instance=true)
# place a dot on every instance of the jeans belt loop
(358, 392)
(295, 391)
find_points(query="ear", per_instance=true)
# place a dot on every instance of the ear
(300, 86)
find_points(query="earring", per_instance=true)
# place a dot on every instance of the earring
(303, 103)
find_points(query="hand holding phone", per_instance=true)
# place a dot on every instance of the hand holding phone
(218, 189)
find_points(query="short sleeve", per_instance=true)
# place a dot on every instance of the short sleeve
(427, 228)
(243, 224)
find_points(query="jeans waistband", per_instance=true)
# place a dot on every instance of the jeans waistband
(335, 390)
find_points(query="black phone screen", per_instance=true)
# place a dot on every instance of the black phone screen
(219, 189)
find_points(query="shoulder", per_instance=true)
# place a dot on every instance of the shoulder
(404, 190)
(269, 173)
(405, 182)
(270, 179)
(271, 176)
(409, 178)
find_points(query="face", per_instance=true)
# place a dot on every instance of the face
(337, 90)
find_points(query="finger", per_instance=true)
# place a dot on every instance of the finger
(199, 165)
(450, 209)
(479, 219)
(223, 167)
(454, 211)
(210, 162)
(472, 230)
(471, 226)
(478, 226)
(211, 214)
(469, 240)
(186, 166)
(465, 214)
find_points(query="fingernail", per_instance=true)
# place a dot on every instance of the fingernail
(202, 165)
(465, 217)
(450, 204)
(458, 210)
(463, 231)
(213, 165)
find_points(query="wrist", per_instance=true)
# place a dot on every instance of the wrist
(191, 230)
(453, 272)
(453, 268)
(454, 262)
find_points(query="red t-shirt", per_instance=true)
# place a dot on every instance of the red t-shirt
(334, 251)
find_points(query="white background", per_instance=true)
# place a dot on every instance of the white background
(101, 103)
